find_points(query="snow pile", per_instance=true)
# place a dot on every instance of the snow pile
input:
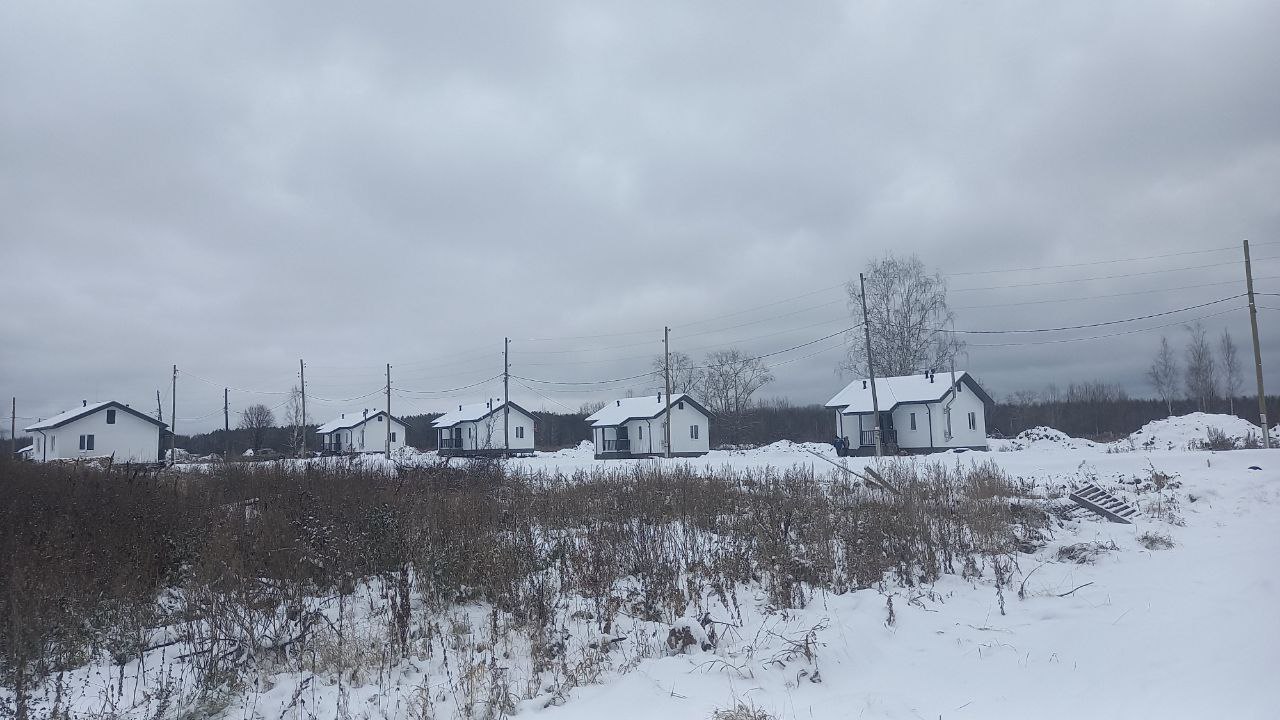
(1045, 438)
(1184, 431)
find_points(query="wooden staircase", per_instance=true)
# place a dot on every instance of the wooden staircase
(1099, 501)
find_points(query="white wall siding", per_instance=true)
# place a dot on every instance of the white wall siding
(129, 439)
(648, 436)
(369, 436)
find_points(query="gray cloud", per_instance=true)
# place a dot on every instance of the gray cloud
(232, 186)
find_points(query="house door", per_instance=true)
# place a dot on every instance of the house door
(457, 439)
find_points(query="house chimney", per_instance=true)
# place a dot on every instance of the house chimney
(931, 377)
(459, 407)
(864, 384)
(619, 402)
(342, 416)
(84, 403)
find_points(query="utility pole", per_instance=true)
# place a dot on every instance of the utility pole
(388, 411)
(159, 408)
(666, 371)
(871, 369)
(226, 425)
(1257, 349)
(173, 417)
(13, 425)
(302, 374)
(506, 395)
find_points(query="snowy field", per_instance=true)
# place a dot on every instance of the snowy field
(1170, 617)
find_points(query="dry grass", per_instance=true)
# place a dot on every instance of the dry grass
(245, 550)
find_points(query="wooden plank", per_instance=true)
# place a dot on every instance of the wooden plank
(1099, 501)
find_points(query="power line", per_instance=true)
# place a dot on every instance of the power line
(1104, 277)
(1093, 325)
(1093, 262)
(1109, 335)
(345, 400)
(449, 390)
(1109, 295)
(211, 383)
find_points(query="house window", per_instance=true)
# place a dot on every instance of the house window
(111, 416)
(86, 442)
(913, 421)
(519, 432)
(379, 418)
(680, 405)
(53, 443)
(693, 432)
(973, 421)
(393, 437)
(948, 414)
(640, 433)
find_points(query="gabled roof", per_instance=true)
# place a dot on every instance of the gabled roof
(72, 415)
(638, 408)
(894, 391)
(474, 412)
(350, 420)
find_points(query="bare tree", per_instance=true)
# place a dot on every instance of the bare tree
(256, 419)
(908, 316)
(686, 376)
(295, 421)
(1230, 368)
(1163, 374)
(1200, 377)
(730, 378)
(591, 408)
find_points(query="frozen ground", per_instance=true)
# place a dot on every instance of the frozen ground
(1171, 617)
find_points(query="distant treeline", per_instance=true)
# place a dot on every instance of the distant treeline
(1090, 410)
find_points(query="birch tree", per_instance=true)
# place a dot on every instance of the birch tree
(1200, 376)
(1230, 368)
(909, 319)
(1163, 374)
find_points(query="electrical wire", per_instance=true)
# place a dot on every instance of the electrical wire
(231, 387)
(1094, 262)
(449, 390)
(1109, 335)
(1093, 325)
(1105, 277)
(1100, 297)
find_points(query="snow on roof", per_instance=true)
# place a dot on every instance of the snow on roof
(471, 413)
(635, 408)
(893, 391)
(350, 420)
(76, 413)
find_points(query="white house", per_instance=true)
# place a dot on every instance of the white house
(635, 427)
(919, 414)
(103, 429)
(361, 432)
(484, 429)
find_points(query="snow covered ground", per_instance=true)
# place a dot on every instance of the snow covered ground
(1170, 617)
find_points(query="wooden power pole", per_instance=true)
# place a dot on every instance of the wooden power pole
(226, 425)
(302, 375)
(506, 395)
(173, 417)
(871, 370)
(1257, 349)
(159, 408)
(13, 425)
(388, 453)
(666, 371)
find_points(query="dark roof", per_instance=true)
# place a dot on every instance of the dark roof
(70, 416)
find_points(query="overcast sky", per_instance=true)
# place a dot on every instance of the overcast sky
(232, 186)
